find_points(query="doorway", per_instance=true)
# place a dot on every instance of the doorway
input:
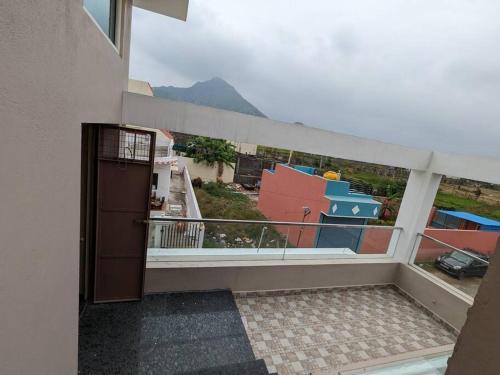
(117, 165)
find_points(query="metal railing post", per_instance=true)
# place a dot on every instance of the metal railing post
(261, 236)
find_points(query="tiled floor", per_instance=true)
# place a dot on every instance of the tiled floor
(302, 332)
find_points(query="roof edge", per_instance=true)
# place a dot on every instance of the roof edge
(172, 8)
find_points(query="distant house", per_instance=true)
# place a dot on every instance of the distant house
(140, 87)
(296, 194)
(245, 148)
(162, 172)
(443, 219)
(173, 196)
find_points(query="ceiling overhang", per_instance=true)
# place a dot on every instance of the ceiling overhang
(172, 8)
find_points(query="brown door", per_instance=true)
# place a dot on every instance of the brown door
(124, 168)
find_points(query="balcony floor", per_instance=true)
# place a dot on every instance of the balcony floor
(174, 333)
(320, 330)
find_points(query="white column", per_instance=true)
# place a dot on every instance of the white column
(415, 208)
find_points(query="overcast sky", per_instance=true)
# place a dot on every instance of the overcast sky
(421, 73)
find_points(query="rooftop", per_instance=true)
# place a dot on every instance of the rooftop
(290, 332)
(472, 217)
(327, 330)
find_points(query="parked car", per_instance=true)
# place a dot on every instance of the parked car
(463, 263)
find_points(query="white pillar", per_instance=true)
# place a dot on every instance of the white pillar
(415, 208)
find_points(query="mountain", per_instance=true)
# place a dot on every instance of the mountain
(215, 93)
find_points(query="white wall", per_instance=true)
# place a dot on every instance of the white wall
(245, 148)
(205, 172)
(58, 71)
(216, 123)
(194, 119)
(192, 208)
(140, 87)
(163, 187)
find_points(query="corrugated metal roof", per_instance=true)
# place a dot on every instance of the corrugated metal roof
(471, 217)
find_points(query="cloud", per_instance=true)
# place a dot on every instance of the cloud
(420, 74)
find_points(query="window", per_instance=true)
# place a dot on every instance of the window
(104, 13)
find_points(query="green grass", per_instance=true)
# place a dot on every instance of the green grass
(450, 201)
(218, 202)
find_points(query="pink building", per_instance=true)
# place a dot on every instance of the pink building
(286, 191)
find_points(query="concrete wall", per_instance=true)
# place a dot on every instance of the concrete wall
(429, 250)
(284, 193)
(205, 172)
(245, 148)
(375, 241)
(58, 71)
(163, 187)
(192, 208)
(199, 120)
(140, 87)
(434, 294)
(477, 347)
(485, 242)
(272, 276)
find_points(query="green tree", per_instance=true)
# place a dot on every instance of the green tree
(211, 151)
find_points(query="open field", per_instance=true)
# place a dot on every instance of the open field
(488, 196)
(450, 200)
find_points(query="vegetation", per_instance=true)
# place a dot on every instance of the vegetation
(384, 181)
(217, 201)
(451, 201)
(212, 151)
(220, 202)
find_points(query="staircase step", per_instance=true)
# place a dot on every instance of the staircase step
(257, 367)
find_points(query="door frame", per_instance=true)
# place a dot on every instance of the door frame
(91, 204)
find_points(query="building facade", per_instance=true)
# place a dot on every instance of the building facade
(297, 194)
(443, 219)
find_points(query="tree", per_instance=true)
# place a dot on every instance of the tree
(211, 151)
(388, 211)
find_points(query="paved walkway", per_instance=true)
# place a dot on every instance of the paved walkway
(177, 192)
(316, 331)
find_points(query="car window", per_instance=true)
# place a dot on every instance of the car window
(461, 257)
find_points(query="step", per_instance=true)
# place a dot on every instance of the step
(257, 367)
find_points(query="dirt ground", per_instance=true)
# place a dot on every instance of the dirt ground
(469, 285)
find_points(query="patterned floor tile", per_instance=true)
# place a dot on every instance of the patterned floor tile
(303, 332)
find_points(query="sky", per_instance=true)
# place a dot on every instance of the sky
(419, 73)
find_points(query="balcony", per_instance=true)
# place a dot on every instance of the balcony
(349, 302)
(322, 330)
(283, 309)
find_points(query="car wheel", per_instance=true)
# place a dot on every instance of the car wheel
(461, 275)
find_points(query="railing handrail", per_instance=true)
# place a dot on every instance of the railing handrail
(453, 247)
(270, 222)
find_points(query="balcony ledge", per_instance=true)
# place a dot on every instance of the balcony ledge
(203, 258)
